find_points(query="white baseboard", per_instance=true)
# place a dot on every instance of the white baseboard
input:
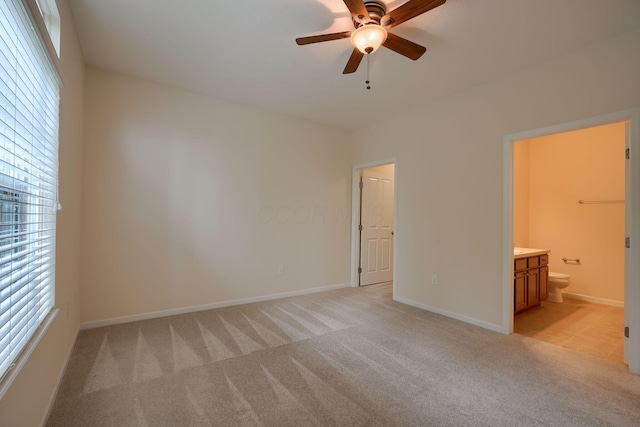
(596, 300)
(195, 308)
(466, 319)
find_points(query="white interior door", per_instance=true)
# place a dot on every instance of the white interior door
(376, 239)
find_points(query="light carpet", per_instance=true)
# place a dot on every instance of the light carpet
(350, 357)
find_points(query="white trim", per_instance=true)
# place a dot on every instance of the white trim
(12, 373)
(632, 282)
(51, 18)
(632, 260)
(53, 397)
(595, 300)
(39, 26)
(507, 235)
(196, 308)
(355, 211)
(627, 214)
(451, 314)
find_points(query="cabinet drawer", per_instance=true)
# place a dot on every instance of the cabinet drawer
(544, 260)
(520, 264)
(533, 261)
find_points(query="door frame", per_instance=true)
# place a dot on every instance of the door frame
(632, 222)
(355, 216)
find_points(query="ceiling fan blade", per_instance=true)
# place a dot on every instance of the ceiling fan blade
(354, 62)
(404, 47)
(357, 9)
(323, 38)
(409, 10)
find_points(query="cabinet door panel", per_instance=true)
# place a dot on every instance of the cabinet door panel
(544, 281)
(520, 291)
(533, 287)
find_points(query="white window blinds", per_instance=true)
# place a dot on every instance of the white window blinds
(28, 181)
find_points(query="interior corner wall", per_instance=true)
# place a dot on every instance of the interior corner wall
(589, 165)
(27, 401)
(449, 169)
(521, 194)
(191, 200)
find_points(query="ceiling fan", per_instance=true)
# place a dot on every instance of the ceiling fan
(371, 22)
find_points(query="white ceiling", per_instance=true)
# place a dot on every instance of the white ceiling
(245, 50)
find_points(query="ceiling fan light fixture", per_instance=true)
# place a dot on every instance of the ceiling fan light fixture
(368, 38)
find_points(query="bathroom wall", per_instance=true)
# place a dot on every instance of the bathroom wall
(521, 194)
(582, 165)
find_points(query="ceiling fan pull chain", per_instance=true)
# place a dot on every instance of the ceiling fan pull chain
(367, 82)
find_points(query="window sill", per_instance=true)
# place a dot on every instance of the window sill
(6, 381)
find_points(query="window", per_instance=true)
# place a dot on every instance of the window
(29, 97)
(49, 12)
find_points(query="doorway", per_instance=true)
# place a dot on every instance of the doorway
(373, 247)
(631, 118)
(568, 199)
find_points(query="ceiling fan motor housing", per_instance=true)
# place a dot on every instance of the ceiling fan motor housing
(376, 9)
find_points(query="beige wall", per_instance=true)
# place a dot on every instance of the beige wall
(27, 400)
(450, 168)
(189, 200)
(581, 165)
(521, 194)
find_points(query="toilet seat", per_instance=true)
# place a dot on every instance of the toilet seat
(558, 277)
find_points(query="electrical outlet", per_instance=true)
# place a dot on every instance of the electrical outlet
(434, 280)
(281, 269)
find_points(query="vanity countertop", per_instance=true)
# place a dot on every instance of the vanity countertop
(527, 252)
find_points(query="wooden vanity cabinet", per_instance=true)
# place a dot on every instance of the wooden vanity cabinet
(531, 276)
(520, 294)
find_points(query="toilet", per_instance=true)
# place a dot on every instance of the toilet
(557, 282)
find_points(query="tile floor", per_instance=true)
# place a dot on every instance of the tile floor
(594, 329)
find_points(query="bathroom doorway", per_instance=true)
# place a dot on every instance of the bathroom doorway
(568, 194)
(568, 198)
